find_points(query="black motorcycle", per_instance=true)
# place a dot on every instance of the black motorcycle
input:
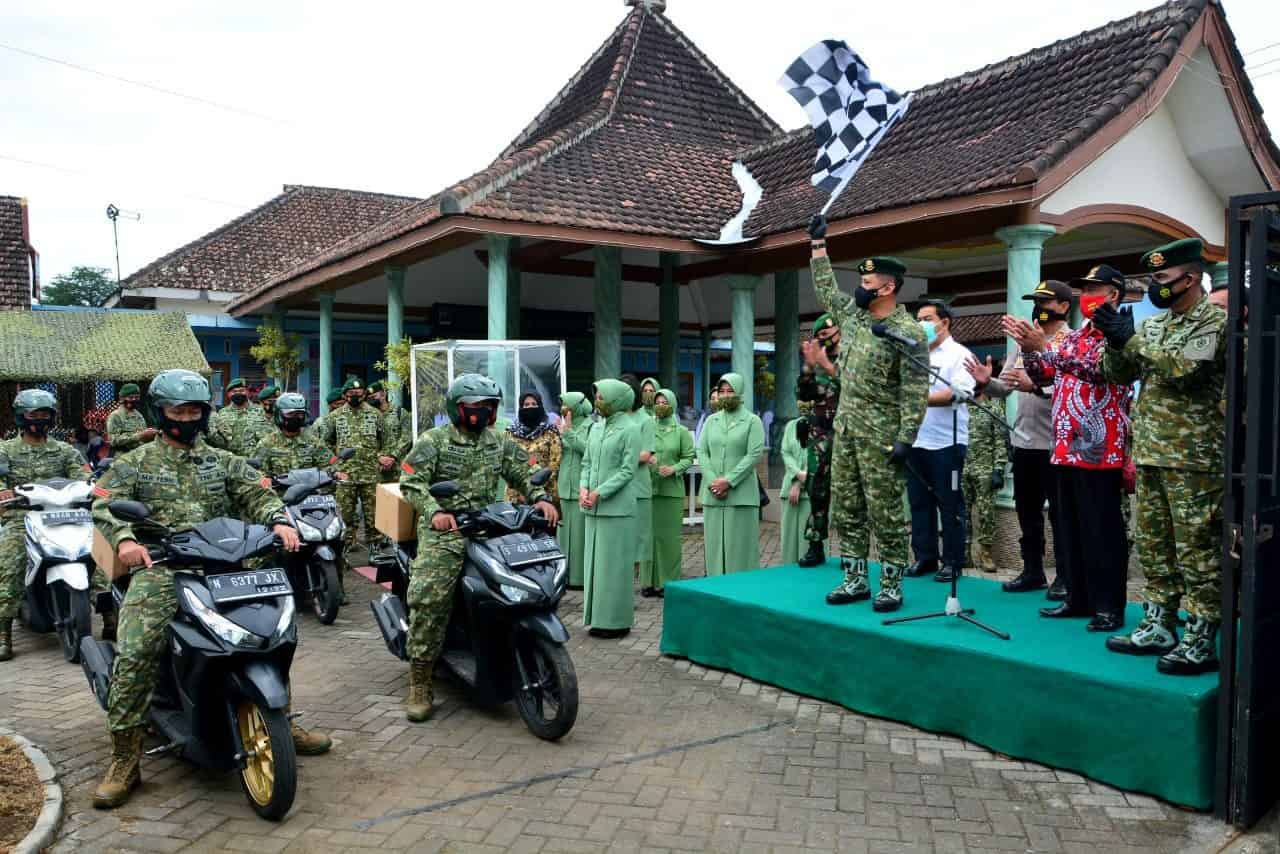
(223, 683)
(505, 640)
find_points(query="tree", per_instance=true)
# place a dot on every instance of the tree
(82, 286)
(765, 382)
(278, 351)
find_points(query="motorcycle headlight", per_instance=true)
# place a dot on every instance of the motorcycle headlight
(221, 626)
(499, 569)
(515, 594)
(310, 533)
(334, 530)
(286, 618)
(56, 550)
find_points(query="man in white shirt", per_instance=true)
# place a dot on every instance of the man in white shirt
(937, 457)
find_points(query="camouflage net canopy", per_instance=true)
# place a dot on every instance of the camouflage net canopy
(516, 366)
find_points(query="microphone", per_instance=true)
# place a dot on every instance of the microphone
(881, 331)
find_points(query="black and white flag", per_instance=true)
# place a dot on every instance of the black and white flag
(849, 112)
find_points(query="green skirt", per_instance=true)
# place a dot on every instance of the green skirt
(572, 536)
(731, 538)
(793, 545)
(668, 518)
(644, 534)
(609, 553)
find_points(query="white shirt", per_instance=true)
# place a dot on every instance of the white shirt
(935, 431)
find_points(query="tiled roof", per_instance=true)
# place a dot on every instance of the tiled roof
(15, 258)
(65, 346)
(295, 225)
(976, 328)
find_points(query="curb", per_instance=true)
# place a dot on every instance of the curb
(46, 828)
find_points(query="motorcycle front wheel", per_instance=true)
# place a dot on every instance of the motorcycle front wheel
(72, 618)
(545, 687)
(270, 774)
(326, 599)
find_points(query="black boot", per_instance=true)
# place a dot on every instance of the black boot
(815, 556)
(1025, 583)
(1197, 652)
(921, 568)
(1057, 590)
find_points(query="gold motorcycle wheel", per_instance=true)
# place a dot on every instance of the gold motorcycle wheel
(270, 774)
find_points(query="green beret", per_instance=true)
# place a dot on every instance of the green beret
(1189, 250)
(351, 383)
(333, 396)
(376, 386)
(883, 264)
(823, 321)
(128, 389)
(268, 391)
(238, 382)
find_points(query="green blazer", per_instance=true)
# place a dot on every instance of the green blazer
(673, 444)
(643, 424)
(609, 465)
(794, 457)
(730, 446)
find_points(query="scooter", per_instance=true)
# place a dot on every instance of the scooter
(504, 640)
(59, 538)
(223, 683)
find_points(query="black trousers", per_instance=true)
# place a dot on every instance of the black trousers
(1033, 484)
(1091, 546)
(936, 468)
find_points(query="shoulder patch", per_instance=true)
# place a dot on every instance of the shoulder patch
(407, 469)
(1202, 347)
(101, 492)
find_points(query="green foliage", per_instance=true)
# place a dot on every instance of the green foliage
(396, 360)
(82, 286)
(765, 382)
(279, 352)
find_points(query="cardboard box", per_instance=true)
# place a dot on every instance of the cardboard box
(105, 557)
(393, 516)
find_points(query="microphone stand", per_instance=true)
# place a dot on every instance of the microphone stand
(953, 608)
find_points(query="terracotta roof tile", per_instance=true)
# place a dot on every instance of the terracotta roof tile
(977, 328)
(15, 258)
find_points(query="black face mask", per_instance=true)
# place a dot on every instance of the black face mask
(128, 404)
(295, 423)
(1163, 296)
(532, 417)
(183, 432)
(239, 399)
(477, 416)
(864, 297)
(39, 429)
(354, 402)
(1046, 315)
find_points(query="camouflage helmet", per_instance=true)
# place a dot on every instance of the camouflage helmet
(290, 401)
(470, 388)
(32, 399)
(175, 387)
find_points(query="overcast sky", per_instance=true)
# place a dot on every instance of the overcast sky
(403, 98)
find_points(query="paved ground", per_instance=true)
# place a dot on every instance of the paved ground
(665, 757)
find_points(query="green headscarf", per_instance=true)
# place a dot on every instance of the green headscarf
(648, 407)
(576, 402)
(736, 383)
(616, 397)
(672, 401)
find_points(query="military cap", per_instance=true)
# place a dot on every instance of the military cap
(128, 389)
(238, 382)
(1051, 289)
(376, 386)
(824, 321)
(268, 391)
(1186, 251)
(333, 396)
(1101, 274)
(352, 382)
(883, 264)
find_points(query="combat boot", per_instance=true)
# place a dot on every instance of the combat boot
(854, 588)
(1197, 652)
(124, 774)
(815, 556)
(890, 596)
(6, 640)
(306, 743)
(110, 622)
(417, 707)
(1154, 635)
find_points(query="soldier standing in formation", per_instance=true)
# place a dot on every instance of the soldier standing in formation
(184, 482)
(1179, 427)
(397, 424)
(882, 402)
(126, 428)
(27, 457)
(290, 447)
(820, 385)
(237, 426)
(475, 455)
(267, 401)
(983, 478)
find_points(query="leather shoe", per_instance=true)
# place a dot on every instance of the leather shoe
(1024, 584)
(921, 568)
(815, 556)
(1063, 610)
(1106, 621)
(1057, 590)
(946, 574)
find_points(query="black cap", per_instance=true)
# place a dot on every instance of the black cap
(1102, 274)
(1051, 289)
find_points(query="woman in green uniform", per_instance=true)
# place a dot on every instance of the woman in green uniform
(575, 412)
(607, 497)
(642, 422)
(729, 448)
(793, 492)
(673, 455)
(648, 393)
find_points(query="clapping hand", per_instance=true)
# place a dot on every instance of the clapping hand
(1029, 338)
(1116, 326)
(980, 371)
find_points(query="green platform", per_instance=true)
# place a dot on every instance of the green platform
(1053, 694)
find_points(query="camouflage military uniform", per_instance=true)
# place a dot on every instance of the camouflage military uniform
(882, 400)
(988, 453)
(397, 425)
(237, 430)
(1178, 432)
(182, 487)
(27, 463)
(279, 453)
(542, 451)
(124, 430)
(360, 428)
(818, 448)
(477, 463)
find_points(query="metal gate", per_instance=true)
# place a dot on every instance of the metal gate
(1248, 769)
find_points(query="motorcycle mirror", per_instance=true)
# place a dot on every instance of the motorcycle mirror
(346, 453)
(445, 489)
(540, 477)
(130, 511)
(293, 493)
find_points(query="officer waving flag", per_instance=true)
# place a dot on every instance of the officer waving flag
(849, 112)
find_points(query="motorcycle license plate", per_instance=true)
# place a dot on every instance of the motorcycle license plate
(66, 517)
(254, 584)
(319, 501)
(530, 551)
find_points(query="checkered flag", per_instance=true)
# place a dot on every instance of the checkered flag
(849, 112)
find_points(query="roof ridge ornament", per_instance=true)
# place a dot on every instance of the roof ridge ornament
(655, 6)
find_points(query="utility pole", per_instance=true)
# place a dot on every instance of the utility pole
(113, 214)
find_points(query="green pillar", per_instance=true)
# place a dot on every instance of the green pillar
(326, 349)
(669, 321)
(513, 303)
(1220, 273)
(742, 289)
(786, 339)
(706, 366)
(395, 322)
(499, 278)
(1024, 246)
(608, 311)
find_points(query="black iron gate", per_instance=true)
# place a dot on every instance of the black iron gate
(1248, 770)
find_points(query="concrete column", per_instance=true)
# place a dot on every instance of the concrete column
(513, 302)
(326, 349)
(395, 322)
(1024, 247)
(669, 321)
(786, 338)
(742, 289)
(608, 311)
(1219, 273)
(706, 366)
(499, 278)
